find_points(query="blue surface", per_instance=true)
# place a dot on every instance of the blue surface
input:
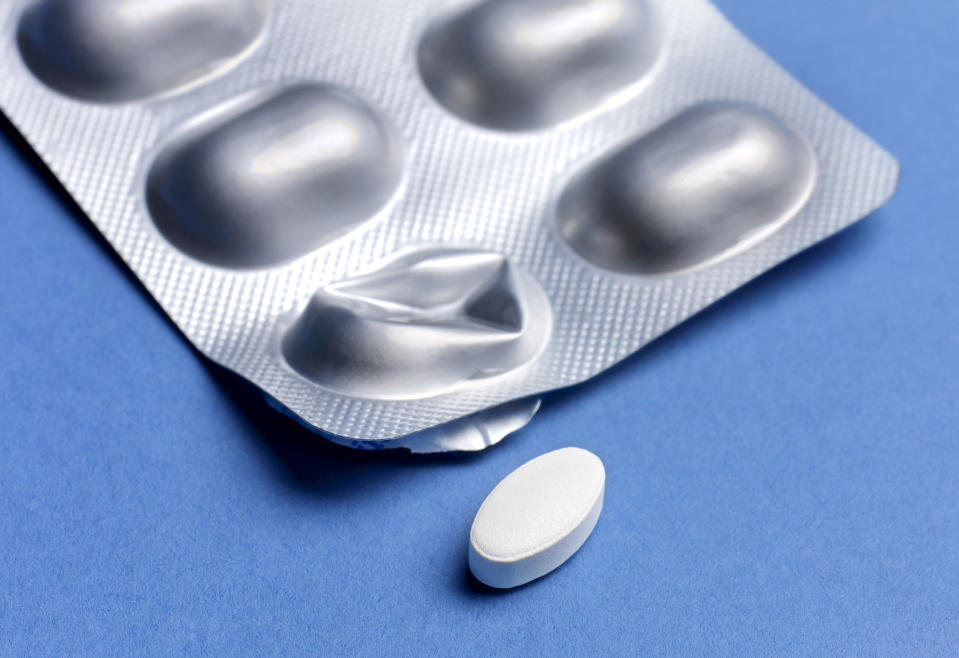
(782, 470)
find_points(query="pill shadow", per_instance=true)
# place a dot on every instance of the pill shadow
(474, 588)
(471, 587)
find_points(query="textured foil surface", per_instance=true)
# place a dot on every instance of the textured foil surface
(566, 180)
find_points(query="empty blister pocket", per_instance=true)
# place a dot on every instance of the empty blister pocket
(422, 325)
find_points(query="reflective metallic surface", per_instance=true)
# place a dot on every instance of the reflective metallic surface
(420, 326)
(122, 50)
(714, 180)
(526, 64)
(242, 155)
(274, 178)
(471, 433)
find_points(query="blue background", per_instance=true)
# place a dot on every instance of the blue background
(782, 470)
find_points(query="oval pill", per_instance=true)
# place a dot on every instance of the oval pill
(537, 518)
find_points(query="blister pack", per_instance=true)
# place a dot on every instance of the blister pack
(393, 215)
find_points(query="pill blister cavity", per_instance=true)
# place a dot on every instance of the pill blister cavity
(275, 176)
(123, 50)
(422, 325)
(706, 185)
(515, 65)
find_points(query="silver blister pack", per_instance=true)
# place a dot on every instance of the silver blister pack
(394, 215)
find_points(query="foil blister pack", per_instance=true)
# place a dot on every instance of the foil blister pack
(399, 216)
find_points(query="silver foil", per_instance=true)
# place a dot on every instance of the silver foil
(402, 215)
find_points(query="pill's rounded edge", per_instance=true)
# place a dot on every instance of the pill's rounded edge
(508, 574)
